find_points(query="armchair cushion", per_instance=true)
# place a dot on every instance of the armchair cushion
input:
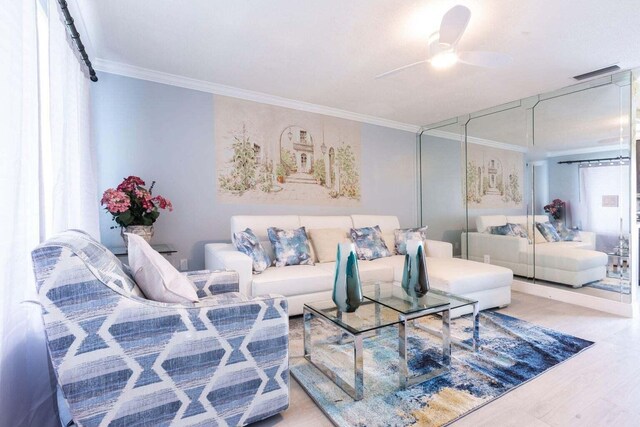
(158, 279)
(208, 283)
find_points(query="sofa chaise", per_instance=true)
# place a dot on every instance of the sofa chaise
(489, 284)
(571, 263)
(120, 359)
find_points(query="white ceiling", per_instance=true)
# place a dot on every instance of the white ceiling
(327, 52)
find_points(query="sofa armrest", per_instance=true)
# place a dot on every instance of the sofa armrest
(505, 248)
(225, 256)
(589, 239)
(207, 283)
(438, 249)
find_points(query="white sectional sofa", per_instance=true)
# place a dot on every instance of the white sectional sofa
(490, 285)
(569, 263)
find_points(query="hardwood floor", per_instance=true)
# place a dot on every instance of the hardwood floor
(599, 387)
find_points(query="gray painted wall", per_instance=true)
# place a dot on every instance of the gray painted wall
(165, 133)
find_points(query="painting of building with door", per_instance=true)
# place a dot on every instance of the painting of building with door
(275, 155)
(494, 177)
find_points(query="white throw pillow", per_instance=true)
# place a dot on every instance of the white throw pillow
(158, 279)
(325, 242)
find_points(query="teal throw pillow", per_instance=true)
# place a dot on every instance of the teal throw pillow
(369, 243)
(402, 236)
(548, 231)
(291, 246)
(247, 243)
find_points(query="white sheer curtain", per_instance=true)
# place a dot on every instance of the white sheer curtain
(26, 395)
(73, 185)
(599, 181)
(39, 176)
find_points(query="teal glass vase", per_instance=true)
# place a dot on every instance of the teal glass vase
(347, 288)
(415, 280)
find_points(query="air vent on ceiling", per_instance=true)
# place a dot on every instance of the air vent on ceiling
(594, 73)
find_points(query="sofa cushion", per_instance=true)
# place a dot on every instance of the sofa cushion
(342, 222)
(247, 243)
(325, 242)
(387, 223)
(395, 263)
(291, 246)
(562, 256)
(461, 276)
(369, 243)
(293, 280)
(485, 221)
(260, 223)
(369, 270)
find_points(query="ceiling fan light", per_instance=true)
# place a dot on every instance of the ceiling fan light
(444, 60)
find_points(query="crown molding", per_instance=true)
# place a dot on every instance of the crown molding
(614, 147)
(126, 70)
(473, 140)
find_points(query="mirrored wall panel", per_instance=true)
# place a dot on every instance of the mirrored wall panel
(546, 187)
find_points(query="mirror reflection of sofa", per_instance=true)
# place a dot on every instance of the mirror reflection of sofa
(573, 263)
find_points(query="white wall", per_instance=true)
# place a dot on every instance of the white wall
(165, 133)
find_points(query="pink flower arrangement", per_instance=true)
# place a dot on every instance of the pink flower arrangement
(555, 208)
(132, 204)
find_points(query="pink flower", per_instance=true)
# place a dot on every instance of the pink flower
(116, 201)
(163, 203)
(130, 183)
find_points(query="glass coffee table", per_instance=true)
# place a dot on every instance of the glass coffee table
(394, 297)
(367, 321)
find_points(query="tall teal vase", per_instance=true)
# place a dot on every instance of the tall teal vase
(415, 281)
(347, 288)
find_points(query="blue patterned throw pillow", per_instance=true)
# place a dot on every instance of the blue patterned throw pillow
(402, 236)
(501, 230)
(518, 230)
(369, 243)
(548, 231)
(247, 243)
(567, 234)
(291, 246)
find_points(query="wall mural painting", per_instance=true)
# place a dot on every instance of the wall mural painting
(274, 155)
(494, 177)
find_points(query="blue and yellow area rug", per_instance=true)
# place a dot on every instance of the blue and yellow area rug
(512, 352)
(611, 284)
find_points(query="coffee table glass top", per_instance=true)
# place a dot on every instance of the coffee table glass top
(393, 296)
(389, 295)
(369, 316)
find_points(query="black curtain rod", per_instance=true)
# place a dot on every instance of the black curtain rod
(68, 20)
(568, 162)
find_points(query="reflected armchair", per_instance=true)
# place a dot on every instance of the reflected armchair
(123, 360)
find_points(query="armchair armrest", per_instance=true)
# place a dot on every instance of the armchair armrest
(437, 249)
(224, 256)
(207, 283)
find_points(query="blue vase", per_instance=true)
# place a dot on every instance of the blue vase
(347, 288)
(415, 281)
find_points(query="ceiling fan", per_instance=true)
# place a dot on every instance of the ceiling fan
(443, 46)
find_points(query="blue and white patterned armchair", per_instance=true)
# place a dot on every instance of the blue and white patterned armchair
(123, 360)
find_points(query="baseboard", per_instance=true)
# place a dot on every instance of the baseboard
(568, 296)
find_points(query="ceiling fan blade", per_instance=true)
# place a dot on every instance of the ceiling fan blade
(485, 59)
(379, 76)
(453, 24)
